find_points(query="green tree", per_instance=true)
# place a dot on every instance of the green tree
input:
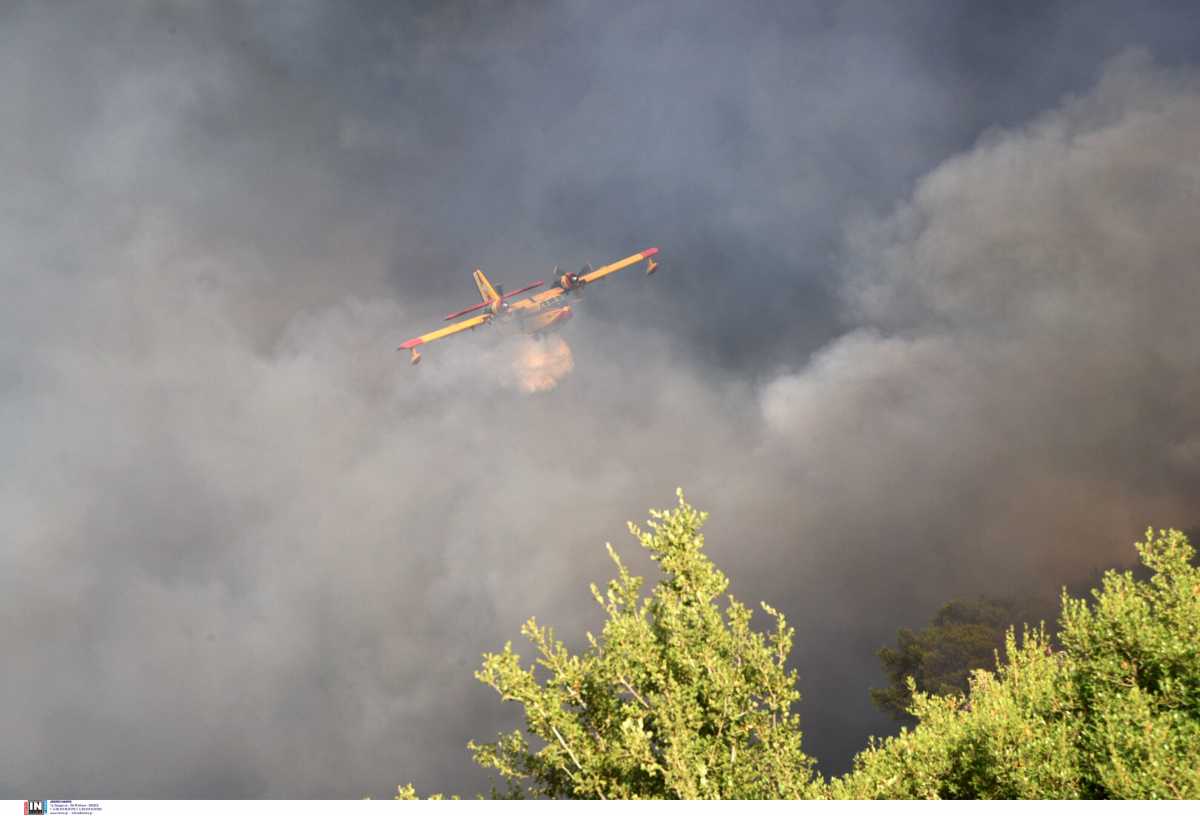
(1114, 714)
(962, 637)
(676, 698)
(681, 698)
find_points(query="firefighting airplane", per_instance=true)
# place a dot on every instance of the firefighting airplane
(534, 314)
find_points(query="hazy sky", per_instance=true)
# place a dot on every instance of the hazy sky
(925, 328)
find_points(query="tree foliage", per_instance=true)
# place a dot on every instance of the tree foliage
(962, 637)
(1114, 714)
(676, 698)
(680, 698)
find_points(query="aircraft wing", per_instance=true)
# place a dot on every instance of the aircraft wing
(605, 271)
(591, 277)
(455, 328)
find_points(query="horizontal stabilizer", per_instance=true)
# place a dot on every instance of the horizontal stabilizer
(503, 296)
(523, 289)
(467, 310)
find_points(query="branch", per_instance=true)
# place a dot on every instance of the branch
(574, 758)
(633, 691)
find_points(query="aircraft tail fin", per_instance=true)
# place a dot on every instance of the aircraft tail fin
(486, 290)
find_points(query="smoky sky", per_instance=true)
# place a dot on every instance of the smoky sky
(925, 328)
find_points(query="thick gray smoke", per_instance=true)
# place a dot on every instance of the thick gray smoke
(248, 551)
(1022, 397)
(1029, 332)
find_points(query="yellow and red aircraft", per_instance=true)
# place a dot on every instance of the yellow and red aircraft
(534, 314)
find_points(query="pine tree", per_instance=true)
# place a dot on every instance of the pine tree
(1114, 714)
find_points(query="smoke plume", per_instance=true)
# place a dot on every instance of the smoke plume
(247, 550)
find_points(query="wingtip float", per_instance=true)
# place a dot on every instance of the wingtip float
(411, 345)
(534, 314)
(651, 264)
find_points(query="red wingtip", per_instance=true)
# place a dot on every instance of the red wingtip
(646, 253)
(407, 344)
